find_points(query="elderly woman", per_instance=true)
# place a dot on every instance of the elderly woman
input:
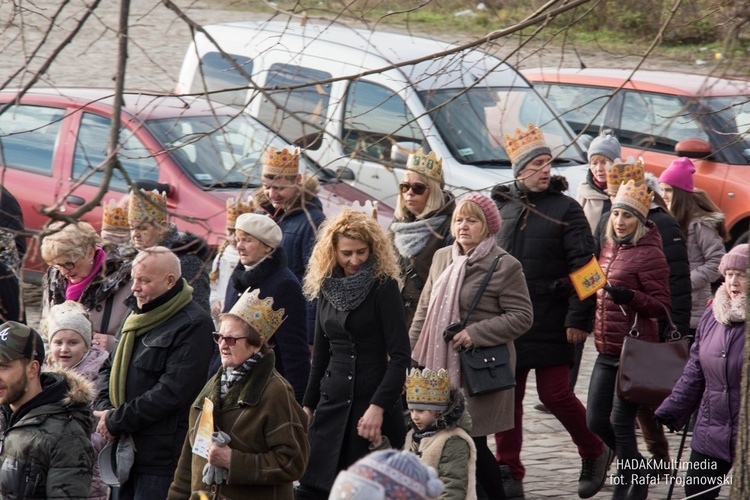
(502, 314)
(361, 349)
(266, 448)
(422, 223)
(711, 382)
(82, 270)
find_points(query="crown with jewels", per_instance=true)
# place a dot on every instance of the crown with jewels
(151, 207)
(525, 144)
(258, 313)
(235, 208)
(428, 389)
(369, 207)
(634, 197)
(115, 218)
(622, 171)
(428, 165)
(281, 162)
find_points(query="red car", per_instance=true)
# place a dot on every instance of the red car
(54, 140)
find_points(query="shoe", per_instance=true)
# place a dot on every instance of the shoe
(594, 473)
(662, 465)
(513, 487)
(542, 408)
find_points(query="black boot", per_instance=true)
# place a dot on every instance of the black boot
(639, 488)
(622, 486)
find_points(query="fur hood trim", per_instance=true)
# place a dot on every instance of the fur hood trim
(712, 219)
(80, 389)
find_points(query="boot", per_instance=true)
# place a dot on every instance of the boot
(620, 491)
(639, 488)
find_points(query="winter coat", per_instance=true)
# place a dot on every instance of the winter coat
(274, 279)
(503, 313)
(194, 254)
(46, 451)
(550, 241)
(415, 269)
(594, 201)
(643, 269)
(675, 250)
(167, 371)
(268, 439)
(224, 264)
(711, 384)
(705, 250)
(10, 298)
(11, 218)
(360, 358)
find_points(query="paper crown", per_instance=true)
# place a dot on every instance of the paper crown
(258, 313)
(115, 218)
(428, 165)
(525, 145)
(151, 208)
(369, 207)
(428, 389)
(281, 162)
(621, 171)
(634, 197)
(235, 208)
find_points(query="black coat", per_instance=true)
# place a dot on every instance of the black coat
(195, 261)
(11, 218)
(167, 371)
(675, 250)
(360, 358)
(551, 240)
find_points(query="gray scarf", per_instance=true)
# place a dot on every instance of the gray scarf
(231, 376)
(346, 293)
(410, 238)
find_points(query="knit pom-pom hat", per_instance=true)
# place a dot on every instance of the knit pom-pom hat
(735, 259)
(488, 208)
(680, 175)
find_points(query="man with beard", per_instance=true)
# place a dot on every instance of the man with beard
(45, 423)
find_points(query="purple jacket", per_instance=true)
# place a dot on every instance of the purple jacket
(712, 380)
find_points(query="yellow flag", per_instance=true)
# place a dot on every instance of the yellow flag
(588, 279)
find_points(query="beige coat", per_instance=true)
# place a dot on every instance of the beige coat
(503, 314)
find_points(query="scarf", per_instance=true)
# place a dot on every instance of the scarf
(75, 290)
(346, 293)
(431, 350)
(726, 309)
(411, 238)
(230, 376)
(137, 324)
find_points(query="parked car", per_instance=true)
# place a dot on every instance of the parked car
(661, 115)
(202, 153)
(359, 101)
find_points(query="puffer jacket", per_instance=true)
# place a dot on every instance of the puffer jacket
(643, 269)
(47, 450)
(705, 250)
(594, 201)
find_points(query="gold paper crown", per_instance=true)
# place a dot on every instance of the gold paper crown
(115, 218)
(524, 142)
(428, 389)
(284, 162)
(236, 208)
(428, 165)
(634, 196)
(151, 208)
(621, 172)
(258, 313)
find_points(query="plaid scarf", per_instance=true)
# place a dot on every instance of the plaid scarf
(231, 376)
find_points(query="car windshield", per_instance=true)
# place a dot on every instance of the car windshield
(731, 119)
(217, 151)
(474, 122)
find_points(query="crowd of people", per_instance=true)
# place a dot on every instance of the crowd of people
(318, 357)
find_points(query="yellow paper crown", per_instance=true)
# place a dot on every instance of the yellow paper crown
(151, 208)
(524, 142)
(622, 171)
(258, 313)
(236, 208)
(634, 196)
(428, 165)
(115, 218)
(428, 389)
(283, 162)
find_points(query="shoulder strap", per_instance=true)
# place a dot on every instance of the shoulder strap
(480, 291)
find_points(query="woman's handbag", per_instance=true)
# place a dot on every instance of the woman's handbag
(649, 370)
(484, 369)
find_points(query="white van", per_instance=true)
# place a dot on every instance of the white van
(357, 102)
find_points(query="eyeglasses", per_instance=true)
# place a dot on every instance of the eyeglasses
(416, 187)
(230, 341)
(68, 266)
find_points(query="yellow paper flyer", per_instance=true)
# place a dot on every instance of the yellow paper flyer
(205, 429)
(588, 279)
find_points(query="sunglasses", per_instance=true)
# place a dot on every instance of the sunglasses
(230, 341)
(416, 187)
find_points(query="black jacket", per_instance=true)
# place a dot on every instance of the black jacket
(549, 234)
(11, 218)
(195, 261)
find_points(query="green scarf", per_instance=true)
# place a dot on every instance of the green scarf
(136, 325)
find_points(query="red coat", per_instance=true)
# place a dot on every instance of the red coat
(643, 269)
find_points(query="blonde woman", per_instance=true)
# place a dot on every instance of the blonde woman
(361, 348)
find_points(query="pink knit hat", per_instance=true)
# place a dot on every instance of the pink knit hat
(735, 259)
(680, 175)
(488, 208)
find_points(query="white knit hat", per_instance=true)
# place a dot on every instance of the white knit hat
(69, 315)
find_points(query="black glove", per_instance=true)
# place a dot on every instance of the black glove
(620, 294)
(666, 423)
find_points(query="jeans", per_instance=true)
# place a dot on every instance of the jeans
(554, 393)
(693, 487)
(145, 487)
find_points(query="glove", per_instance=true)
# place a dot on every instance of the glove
(666, 423)
(620, 294)
(211, 473)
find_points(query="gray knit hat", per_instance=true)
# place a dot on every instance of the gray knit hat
(605, 145)
(69, 315)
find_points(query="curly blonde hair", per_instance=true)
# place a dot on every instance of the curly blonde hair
(357, 226)
(69, 241)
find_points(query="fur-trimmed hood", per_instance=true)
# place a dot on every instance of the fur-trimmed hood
(80, 390)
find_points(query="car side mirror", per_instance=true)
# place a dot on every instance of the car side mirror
(401, 150)
(345, 174)
(693, 148)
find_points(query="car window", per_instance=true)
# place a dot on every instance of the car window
(91, 144)
(657, 122)
(216, 73)
(375, 118)
(300, 113)
(578, 106)
(28, 136)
